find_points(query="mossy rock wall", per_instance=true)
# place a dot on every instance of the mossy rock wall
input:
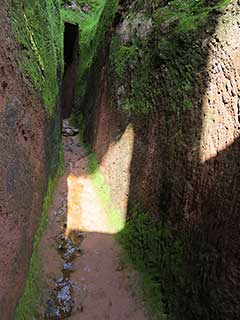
(32, 70)
(94, 18)
(173, 75)
(38, 31)
(30, 139)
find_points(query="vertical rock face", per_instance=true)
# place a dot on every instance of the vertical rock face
(184, 110)
(29, 151)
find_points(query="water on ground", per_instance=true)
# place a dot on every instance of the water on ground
(83, 275)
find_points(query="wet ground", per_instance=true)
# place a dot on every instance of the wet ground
(83, 275)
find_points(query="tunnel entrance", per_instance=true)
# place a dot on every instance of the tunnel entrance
(71, 63)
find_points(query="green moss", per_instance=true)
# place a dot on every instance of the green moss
(29, 303)
(161, 68)
(124, 55)
(93, 26)
(189, 15)
(133, 93)
(93, 30)
(134, 84)
(37, 28)
(70, 16)
(158, 257)
(77, 120)
(113, 216)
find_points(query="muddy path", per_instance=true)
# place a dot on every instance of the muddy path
(83, 276)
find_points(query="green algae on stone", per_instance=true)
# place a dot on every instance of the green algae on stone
(157, 254)
(28, 306)
(114, 218)
(161, 67)
(37, 29)
(93, 25)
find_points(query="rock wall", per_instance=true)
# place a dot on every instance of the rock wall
(176, 85)
(29, 144)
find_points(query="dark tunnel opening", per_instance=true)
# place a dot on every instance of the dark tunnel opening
(71, 63)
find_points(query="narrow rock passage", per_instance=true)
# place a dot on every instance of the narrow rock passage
(83, 276)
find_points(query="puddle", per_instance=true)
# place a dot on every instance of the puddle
(59, 304)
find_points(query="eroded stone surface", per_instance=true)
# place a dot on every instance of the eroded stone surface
(29, 144)
(184, 164)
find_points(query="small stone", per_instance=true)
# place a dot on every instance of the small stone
(86, 9)
(60, 247)
(69, 254)
(51, 309)
(69, 132)
(62, 237)
(75, 130)
(68, 266)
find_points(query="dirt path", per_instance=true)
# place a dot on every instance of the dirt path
(83, 276)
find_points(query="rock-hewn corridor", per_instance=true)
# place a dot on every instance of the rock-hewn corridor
(119, 159)
(83, 274)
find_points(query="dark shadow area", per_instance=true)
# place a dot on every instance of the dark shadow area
(213, 258)
(71, 63)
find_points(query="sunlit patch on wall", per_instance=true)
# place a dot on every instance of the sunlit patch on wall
(116, 165)
(220, 106)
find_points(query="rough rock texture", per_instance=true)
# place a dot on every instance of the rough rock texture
(29, 144)
(185, 166)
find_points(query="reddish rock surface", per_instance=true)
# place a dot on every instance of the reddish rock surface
(25, 162)
(185, 169)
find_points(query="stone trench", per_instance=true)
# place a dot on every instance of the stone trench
(83, 275)
(119, 160)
